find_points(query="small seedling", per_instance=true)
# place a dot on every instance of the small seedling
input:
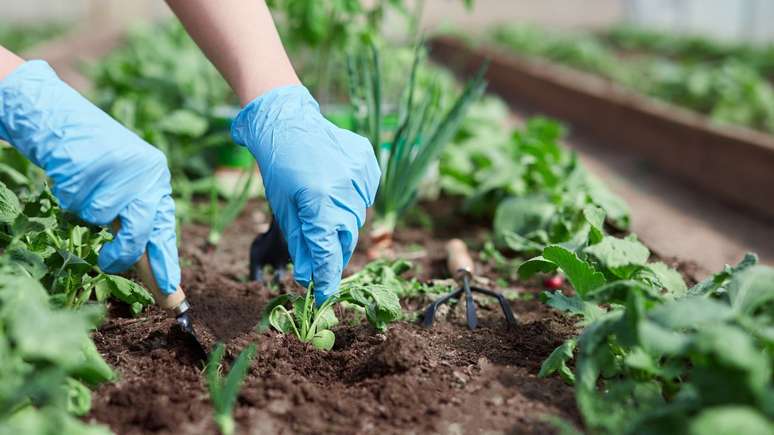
(225, 389)
(312, 324)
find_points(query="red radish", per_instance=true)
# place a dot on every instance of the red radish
(554, 282)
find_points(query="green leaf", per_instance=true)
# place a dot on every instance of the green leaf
(381, 305)
(10, 207)
(581, 274)
(573, 305)
(323, 339)
(184, 122)
(690, 312)
(717, 280)
(730, 420)
(557, 362)
(752, 289)
(78, 397)
(281, 319)
(595, 216)
(615, 208)
(668, 278)
(129, 292)
(521, 216)
(264, 324)
(535, 265)
(30, 262)
(620, 256)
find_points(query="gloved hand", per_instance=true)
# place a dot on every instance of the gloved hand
(319, 180)
(100, 169)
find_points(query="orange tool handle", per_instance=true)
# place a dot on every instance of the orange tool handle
(175, 301)
(458, 259)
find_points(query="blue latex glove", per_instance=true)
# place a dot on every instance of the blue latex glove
(100, 169)
(319, 180)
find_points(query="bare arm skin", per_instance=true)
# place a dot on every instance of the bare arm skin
(8, 62)
(240, 39)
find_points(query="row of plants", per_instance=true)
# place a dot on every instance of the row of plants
(20, 37)
(51, 298)
(728, 86)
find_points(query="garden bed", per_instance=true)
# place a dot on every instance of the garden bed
(446, 379)
(734, 163)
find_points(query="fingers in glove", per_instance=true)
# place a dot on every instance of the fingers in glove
(330, 233)
(162, 247)
(131, 239)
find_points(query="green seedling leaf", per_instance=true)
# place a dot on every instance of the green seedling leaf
(78, 397)
(752, 289)
(669, 279)
(127, 291)
(622, 257)
(595, 216)
(281, 320)
(265, 322)
(522, 216)
(536, 265)
(381, 305)
(225, 389)
(717, 280)
(323, 339)
(617, 292)
(31, 263)
(581, 274)
(10, 207)
(557, 362)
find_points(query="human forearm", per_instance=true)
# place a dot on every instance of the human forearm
(240, 39)
(8, 62)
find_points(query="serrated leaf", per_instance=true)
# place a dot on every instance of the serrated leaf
(751, 289)
(669, 278)
(717, 280)
(595, 216)
(581, 274)
(10, 207)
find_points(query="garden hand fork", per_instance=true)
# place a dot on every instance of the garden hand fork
(461, 265)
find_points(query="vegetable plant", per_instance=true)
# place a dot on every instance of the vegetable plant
(296, 314)
(424, 128)
(655, 354)
(225, 389)
(41, 241)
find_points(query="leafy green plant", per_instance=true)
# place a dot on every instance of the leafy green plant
(225, 389)
(655, 354)
(296, 314)
(41, 241)
(19, 37)
(424, 128)
(48, 359)
(728, 83)
(389, 274)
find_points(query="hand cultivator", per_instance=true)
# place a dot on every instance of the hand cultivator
(175, 302)
(461, 265)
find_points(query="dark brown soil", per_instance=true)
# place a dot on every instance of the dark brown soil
(446, 379)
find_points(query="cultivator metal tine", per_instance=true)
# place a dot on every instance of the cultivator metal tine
(510, 318)
(429, 313)
(470, 305)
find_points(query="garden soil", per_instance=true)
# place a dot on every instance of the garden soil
(445, 379)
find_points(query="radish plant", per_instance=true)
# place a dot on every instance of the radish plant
(425, 126)
(296, 314)
(225, 389)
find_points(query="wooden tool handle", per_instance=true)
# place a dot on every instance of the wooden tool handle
(174, 301)
(457, 257)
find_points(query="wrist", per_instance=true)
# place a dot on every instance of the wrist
(260, 115)
(9, 62)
